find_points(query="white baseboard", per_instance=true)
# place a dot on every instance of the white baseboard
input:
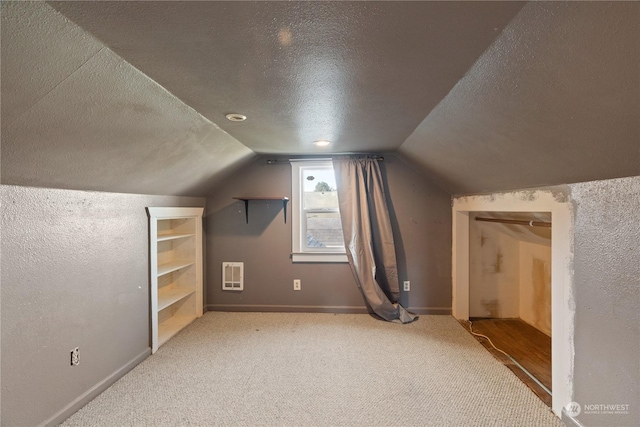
(94, 391)
(569, 420)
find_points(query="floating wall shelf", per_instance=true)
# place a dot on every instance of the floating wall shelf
(284, 200)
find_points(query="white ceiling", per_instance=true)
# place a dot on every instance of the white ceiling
(482, 96)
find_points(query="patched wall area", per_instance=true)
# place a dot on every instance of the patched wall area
(494, 264)
(538, 204)
(535, 285)
(510, 269)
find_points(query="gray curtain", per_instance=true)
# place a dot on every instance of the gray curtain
(368, 237)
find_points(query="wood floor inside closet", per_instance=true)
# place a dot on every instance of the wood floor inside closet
(524, 343)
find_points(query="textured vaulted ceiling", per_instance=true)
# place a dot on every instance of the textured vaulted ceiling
(482, 96)
(362, 74)
(77, 116)
(556, 99)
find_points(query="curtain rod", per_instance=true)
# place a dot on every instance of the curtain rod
(517, 222)
(276, 161)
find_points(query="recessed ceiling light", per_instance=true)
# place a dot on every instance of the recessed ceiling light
(235, 117)
(322, 142)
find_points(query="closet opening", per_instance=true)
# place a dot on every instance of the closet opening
(558, 209)
(510, 292)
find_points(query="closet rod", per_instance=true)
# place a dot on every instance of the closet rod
(517, 222)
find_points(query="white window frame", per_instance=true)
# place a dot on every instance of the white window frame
(299, 250)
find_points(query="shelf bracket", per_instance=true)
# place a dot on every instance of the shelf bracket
(285, 200)
(246, 209)
(284, 207)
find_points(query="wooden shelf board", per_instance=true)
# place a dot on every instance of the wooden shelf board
(173, 236)
(172, 326)
(169, 295)
(173, 266)
(246, 199)
(261, 198)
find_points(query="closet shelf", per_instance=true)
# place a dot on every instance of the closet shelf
(164, 237)
(168, 296)
(172, 326)
(173, 266)
(284, 200)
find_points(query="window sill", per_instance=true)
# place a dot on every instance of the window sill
(319, 257)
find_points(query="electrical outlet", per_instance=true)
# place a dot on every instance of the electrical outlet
(296, 284)
(407, 285)
(75, 359)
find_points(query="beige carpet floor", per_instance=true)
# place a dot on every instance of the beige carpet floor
(300, 369)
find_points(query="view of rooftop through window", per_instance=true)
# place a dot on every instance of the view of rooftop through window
(320, 205)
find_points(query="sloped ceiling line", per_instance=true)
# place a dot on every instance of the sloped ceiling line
(103, 124)
(554, 100)
(38, 100)
(363, 74)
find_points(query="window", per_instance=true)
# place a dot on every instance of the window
(317, 231)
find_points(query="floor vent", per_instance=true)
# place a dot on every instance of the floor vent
(232, 276)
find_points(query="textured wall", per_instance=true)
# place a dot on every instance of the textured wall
(422, 225)
(607, 297)
(74, 274)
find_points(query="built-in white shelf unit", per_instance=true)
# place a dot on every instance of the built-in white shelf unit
(176, 270)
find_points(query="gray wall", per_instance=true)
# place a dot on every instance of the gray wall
(421, 217)
(74, 274)
(607, 298)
